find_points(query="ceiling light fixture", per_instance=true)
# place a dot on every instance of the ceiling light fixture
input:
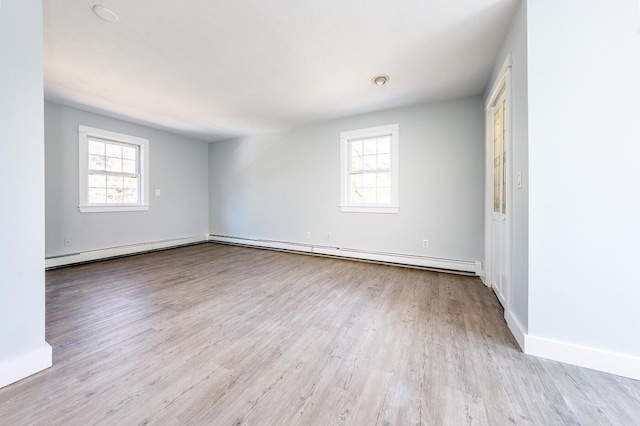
(105, 14)
(380, 80)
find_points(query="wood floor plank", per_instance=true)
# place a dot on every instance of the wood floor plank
(222, 335)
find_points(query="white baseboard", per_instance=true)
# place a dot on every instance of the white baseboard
(583, 356)
(453, 265)
(24, 365)
(516, 329)
(106, 253)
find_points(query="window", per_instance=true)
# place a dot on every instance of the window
(113, 172)
(369, 170)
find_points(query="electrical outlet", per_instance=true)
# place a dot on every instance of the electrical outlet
(158, 192)
(67, 242)
(308, 235)
(328, 236)
(425, 243)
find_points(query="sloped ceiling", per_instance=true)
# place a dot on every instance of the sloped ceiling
(214, 69)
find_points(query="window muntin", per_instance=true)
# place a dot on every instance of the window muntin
(369, 172)
(113, 171)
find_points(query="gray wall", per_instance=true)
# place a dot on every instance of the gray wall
(515, 43)
(21, 188)
(584, 151)
(177, 166)
(279, 186)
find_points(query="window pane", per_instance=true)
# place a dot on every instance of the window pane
(384, 180)
(356, 161)
(369, 195)
(131, 182)
(356, 182)
(355, 197)
(370, 146)
(114, 195)
(356, 147)
(131, 196)
(370, 162)
(115, 182)
(384, 161)
(497, 159)
(96, 162)
(129, 152)
(97, 195)
(356, 155)
(384, 195)
(384, 145)
(369, 180)
(504, 157)
(356, 164)
(114, 165)
(96, 147)
(97, 181)
(129, 166)
(114, 150)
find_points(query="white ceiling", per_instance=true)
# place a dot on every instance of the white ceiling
(212, 69)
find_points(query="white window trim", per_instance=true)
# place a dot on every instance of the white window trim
(345, 137)
(84, 132)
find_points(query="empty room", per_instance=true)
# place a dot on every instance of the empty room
(416, 212)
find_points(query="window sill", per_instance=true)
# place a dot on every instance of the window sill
(105, 209)
(369, 209)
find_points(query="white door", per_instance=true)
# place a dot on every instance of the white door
(499, 261)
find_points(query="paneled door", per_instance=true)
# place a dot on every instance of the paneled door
(499, 276)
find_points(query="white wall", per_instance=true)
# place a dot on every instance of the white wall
(280, 186)
(584, 152)
(23, 350)
(515, 43)
(178, 166)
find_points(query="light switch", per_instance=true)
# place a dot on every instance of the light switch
(157, 192)
(519, 180)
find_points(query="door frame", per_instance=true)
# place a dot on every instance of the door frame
(502, 82)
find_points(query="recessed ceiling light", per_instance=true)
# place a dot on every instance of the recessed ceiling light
(379, 80)
(106, 14)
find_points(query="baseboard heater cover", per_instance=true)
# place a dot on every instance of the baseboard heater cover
(440, 264)
(53, 262)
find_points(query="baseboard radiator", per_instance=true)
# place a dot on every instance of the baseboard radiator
(59, 261)
(422, 262)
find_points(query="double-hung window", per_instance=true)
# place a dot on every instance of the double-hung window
(369, 170)
(113, 171)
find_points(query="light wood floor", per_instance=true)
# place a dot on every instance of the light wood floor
(222, 335)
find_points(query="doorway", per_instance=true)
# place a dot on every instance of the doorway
(498, 187)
